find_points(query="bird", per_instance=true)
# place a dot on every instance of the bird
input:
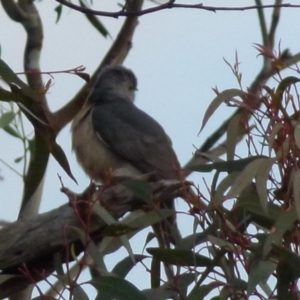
(111, 136)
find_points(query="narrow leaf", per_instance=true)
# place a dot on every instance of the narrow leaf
(261, 179)
(95, 21)
(225, 166)
(58, 10)
(284, 222)
(259, 271)
(109, 287)
(123, 267)
(296, 189)
(244, 178)
(79, 293)
(61, 158)
(217, 101)
(9, 76)
(6, 118)
(180, 257)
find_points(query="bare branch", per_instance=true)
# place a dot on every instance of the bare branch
(169, 5)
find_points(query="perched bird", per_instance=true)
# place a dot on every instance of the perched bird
(110, 135)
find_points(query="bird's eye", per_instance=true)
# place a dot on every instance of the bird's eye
(131, 87)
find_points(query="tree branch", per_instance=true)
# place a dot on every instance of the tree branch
(30, 243)
(169, 5)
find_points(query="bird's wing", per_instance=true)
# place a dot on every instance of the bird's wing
(136, 137)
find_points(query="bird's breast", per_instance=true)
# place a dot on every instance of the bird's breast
(94, 155)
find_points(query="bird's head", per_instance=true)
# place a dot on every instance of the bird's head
(114, 82)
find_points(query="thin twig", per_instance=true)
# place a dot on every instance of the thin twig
(169, 5)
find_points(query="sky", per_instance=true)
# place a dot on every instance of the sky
(177, 56)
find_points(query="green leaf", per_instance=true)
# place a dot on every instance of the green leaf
(199, 292)
(79, 293)
(140, 188)
(18, 159)
(291, 259)
(123, 267)
(184, 281)
(6, 95)
(117, 229)
(284, 223)
(225, 166)
(180, 257)
(217, 101)
(244, 178)
(259, 271)
(232, 136)
(109, 287)
(296, 190)
(9, 76)
(283, 85)
(96, 256)
(61, 158)
(104, 214)
(12, 132)
(58, 10)
(95, 21)
(6, 118)
(160, 294)
(261, 179)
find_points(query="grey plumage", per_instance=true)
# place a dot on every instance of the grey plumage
(112, 135)
(112, 122)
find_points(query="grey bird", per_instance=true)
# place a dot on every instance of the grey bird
(111, 136)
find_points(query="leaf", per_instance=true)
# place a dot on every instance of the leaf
(244, 178)
(259, 271)
(109, 287)
(225, 166)
(58, 10)
(117, 230)
(12, 131)
(232, 136)
(180, 257)
(96, 255)
(123, 267)
(138, 220)
(184, 281)
(199, 292)
(95, 21)
(160, 294)
(79, 293)
(140, 188)
(6, 95)
(61, 158)
(272, 136)
(296, 190)
(18, 159)
(85, 76)
(9, 76)
(217, 101)
(6, 118)
(283, 85)
(5, 277)
(291, 259)
(104, 214)
(297, 135)
(261, 179)
(284, 222)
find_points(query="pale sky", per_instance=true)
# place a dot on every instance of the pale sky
(177, 56)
